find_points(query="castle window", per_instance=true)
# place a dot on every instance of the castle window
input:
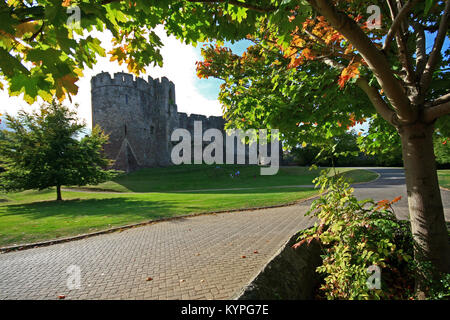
(125, 129)
(152, 129)
(126, 99)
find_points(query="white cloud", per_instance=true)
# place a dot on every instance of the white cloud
(179, 67)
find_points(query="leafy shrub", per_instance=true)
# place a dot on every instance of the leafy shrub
(356, 235)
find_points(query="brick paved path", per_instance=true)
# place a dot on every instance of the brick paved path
(190, 258)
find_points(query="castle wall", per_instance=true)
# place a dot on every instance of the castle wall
(139, 116)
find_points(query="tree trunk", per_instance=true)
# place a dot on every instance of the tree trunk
(424, 198)
(58, 193)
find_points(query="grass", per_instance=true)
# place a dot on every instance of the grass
(32, 216)
(27, 220)
(201, 177)
(444, 178)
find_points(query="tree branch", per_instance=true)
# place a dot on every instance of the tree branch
(442, 99)
(421, 54)
(427, 75)
(391, 9)
(404, 58)
(432, 113)
(372, 93)
(331, 49)
(380, 105)
(239, 4)
(397, 23)
(376, 61)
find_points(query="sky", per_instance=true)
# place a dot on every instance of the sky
(193, 95)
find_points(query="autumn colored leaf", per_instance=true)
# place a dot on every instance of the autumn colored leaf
(66, 84)
(298, 244)
(349, 72)
(118, 54)
(396, 199)
(27, 28)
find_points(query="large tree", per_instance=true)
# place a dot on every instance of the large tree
(44, 149)
(406, 84)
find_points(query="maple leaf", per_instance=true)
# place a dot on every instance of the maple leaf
(396, 199)
(382, 204)
(295, 62)
(307, 53)
(349, 72)
(66, 84)
(118, 54)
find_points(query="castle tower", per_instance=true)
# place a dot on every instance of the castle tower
(138, 117)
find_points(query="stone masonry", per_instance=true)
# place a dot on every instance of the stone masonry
(139, 117)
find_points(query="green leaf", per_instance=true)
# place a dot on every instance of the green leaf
(10, 65)
(428, 4)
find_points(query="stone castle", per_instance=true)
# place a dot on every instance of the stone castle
(139, 117)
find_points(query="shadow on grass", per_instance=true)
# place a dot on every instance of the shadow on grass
(97, 207)
(146, 206)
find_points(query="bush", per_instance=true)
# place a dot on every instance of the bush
(358, 236)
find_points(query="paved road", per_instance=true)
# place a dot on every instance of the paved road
(391, 184)
(191, 258)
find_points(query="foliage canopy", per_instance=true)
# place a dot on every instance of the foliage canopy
(41, 150)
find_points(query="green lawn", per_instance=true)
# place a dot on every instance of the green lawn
(32, 216)
(200, 177)
(444, 178)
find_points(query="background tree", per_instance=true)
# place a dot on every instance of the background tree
(41, 150)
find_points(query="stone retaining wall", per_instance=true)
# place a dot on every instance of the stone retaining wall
(289, 276)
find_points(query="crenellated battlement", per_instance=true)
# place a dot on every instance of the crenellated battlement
(128, 80)
(187, 121)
